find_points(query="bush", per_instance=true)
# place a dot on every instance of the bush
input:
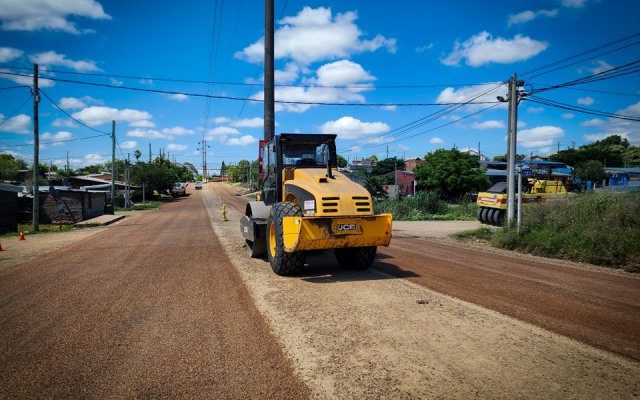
(595, 227)
(422, 206)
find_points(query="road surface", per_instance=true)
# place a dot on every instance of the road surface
(596, 307)
(150, 307)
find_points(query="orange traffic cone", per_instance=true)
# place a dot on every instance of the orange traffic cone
(22, 235)
(1, 249)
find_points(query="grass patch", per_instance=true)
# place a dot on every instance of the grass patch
(426, 206)
(148, 205)
(44, 228)
(484, 234)
(601, 228)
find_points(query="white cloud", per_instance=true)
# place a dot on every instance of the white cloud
(351, 128)
(63, 123)
(48, 58)
(92, 159)
(574, 3)
(390, 107)
(116, 82)
(287, 75)
(629, 130)
(19, 124)
(593, 122)
(128, 145)
(178, 97)
(221, 131)
(177, 131)
(177, 147)
(600, 66)
(221, 120)
(33, 15)
(436, 140)
(528, 15)
(540, 136)
(490, 124)
(71, 103)
(521, 124)
(146, 133)
(483, 49)
(339, 73)
(466, 93)
(314, 34)
(56, 138)
(568, 116)
(535, 110)
(242, 141)
(424, 48)
(256, 122)
(586, 101)
(9, 54)
(97, 115)
(146, 81)
(144, 123)
(404, 147)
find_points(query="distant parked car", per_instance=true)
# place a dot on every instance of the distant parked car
(198, 185)
(179, 189)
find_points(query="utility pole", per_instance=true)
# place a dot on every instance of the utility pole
(269, 108)
(149, 151)
(395, 176)
(387, 151)
(512, 140)
(113, 165)
(126, 181)
(479, 153)
(36, 151)
(558, 146)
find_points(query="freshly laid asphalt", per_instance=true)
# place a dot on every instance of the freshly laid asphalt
(151, 307)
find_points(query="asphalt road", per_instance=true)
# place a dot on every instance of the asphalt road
(596, 307)
(151, 307)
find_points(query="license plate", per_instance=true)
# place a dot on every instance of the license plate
(346, 228)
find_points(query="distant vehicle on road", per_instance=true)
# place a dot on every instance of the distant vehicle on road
(179, 189)
(198, 185)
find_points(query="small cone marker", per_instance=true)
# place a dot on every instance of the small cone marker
(22, 235)
(224, 212)
(1, 249)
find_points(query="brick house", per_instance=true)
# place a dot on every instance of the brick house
(71, 206)
(412, 163)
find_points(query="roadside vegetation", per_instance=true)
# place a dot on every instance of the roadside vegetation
(426, 206)
(597, 227)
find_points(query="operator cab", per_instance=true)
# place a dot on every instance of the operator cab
(293, 150)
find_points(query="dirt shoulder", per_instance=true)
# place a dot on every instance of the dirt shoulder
(372, 335)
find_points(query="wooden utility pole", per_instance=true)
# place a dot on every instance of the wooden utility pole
(113, 165)
(269, 108)
(36, 152)
(149, 151)
(512, 140)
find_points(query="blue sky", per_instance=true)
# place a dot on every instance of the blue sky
(371, 45)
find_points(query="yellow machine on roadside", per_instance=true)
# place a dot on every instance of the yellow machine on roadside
(305, 204)
(492, 203)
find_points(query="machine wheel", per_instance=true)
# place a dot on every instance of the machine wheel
(484, 215)
(357, 258)
(479, 213)
(256, 249)
(489, 216)
(498, 217)
(282, 263)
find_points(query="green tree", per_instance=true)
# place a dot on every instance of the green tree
(611, 151)
(384, 169)
(451, 173)
(342, 162)
(374, 185)
(137, 154)
(223, 168)
(592, 170)
(9, 167)
(500, 158)
(91, 169)
(373, 158)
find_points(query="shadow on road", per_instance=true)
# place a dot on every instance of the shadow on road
(321, 267)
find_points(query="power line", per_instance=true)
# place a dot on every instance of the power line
(591, 90)
(14, 112)
(191, 94)
(585, 52)
(253, 84)
(15, 87)
(564, 106)
(69, 115)
(55, 141)
(428, 130)
(284, 7)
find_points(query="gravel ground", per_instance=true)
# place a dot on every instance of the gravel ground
(148, 308)
(431, 229)
(371, 335)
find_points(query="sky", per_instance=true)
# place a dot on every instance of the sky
(373, 58)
